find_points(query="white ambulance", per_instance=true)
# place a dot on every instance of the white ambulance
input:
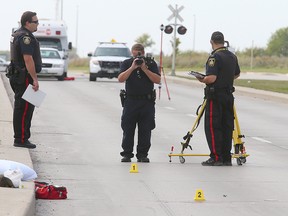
(53, 34)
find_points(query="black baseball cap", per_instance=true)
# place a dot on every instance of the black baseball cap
(217, 37)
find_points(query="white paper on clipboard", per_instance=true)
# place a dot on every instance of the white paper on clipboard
(34, 97)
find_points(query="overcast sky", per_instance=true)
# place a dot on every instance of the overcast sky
(243, 22)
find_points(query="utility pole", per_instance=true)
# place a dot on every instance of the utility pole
(57, 10)
(77, 19)
(194, 32)
(252, 55)
(61, 9)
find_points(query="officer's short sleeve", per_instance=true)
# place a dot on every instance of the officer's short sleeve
(154, 68)
(237, 70)
(212, 65)
(125, 65)
(26, 44)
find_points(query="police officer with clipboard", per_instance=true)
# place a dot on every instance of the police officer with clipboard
(25, 64)
(221, 70)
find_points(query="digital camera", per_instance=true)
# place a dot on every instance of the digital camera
(140, 59)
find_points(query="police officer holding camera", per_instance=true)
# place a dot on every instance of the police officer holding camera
(139, 74)
(25, 63)
(221, 70)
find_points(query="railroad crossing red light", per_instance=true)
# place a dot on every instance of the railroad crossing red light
(168, 29)
(181, 30)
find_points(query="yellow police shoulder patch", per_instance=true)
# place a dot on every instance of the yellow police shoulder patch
(26, 40)
(211, 62)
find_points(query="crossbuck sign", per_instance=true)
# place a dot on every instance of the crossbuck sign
(175, 13)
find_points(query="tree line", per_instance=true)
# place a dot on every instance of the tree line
(275, 55)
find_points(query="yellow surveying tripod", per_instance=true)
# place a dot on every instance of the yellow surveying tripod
(239, 148)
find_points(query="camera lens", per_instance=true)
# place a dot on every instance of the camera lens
(139, 61)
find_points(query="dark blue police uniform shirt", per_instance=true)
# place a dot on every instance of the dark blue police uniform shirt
(30, 46)
(138, 83)
(223, 64)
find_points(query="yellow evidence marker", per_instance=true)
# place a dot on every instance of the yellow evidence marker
(199, 195)
(134, 168)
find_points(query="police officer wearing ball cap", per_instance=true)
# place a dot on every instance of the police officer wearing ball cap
(221, 70)
(25, 63)
(139, 106)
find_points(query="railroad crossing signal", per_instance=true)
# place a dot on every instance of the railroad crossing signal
(181, 30)
(175, 13)
(169, 29)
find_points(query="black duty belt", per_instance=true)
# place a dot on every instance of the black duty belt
(211, 89)
(142, 97)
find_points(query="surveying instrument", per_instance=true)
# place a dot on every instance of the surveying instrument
(239, 148)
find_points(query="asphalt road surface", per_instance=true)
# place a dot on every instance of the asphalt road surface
(77, 129)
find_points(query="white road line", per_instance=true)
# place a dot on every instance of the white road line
(192, 115)
(169, 108)
(261, 140)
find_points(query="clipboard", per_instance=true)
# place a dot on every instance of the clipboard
(33, 97)
(196, 74)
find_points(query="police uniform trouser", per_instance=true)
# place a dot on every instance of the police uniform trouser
(219, 124)
(23, 110)
(142, 114)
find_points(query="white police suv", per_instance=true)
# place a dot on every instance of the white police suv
(106, 60)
